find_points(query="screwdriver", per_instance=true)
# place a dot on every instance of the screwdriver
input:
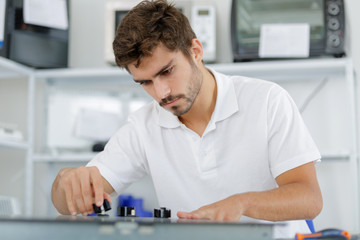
(331, 233)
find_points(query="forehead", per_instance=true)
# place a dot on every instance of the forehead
(160, 56)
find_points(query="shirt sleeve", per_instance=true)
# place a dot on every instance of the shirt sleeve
(290, 143)
(122, 162)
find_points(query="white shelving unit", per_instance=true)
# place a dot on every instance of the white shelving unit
(293, 70)
(61, 158)
(278, 71)
(14, 144)
(9, 70)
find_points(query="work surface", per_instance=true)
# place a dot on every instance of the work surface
(107, 228)
(69, 227)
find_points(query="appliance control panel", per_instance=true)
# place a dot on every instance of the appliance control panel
(203, 22)
(334, 20)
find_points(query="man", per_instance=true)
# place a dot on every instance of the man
(217, 147)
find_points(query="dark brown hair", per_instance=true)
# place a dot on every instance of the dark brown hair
(146, 26)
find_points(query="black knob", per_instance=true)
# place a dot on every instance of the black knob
(162, 213)
(334, 9)
(333, 24)
(334, 41)
(106, 205)
(126, 211)
(96, 209)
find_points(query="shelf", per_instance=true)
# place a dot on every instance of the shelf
(10, 69)
(281, 69)
(14, 144)
(336, 157)
(87, 156)
(83, 74)
(272, 70)
(278, 70)
(66, 157)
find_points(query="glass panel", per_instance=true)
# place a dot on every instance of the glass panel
(119, 15)
(251, 14)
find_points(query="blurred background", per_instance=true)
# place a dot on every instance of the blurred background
(61, 97)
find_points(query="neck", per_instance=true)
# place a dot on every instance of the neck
(203, 107)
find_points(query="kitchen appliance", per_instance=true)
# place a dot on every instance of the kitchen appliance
(203, 22)
(325, 19)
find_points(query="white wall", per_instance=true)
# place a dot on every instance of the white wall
(86, 50)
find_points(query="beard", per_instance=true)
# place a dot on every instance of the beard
(192, 91)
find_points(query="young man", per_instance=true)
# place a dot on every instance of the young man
(217, 147)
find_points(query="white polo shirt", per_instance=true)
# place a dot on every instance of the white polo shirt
(255, 134)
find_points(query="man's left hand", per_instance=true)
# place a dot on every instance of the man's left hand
(229, 209)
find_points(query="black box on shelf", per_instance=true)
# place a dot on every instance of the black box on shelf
(33, 45)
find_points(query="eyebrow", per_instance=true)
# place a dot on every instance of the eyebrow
(159, 72)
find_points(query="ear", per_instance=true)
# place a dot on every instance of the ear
(196, 50)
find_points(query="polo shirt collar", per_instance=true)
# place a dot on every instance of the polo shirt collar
(226, 100)
(226, 103)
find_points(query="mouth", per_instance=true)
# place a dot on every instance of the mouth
(171, 103)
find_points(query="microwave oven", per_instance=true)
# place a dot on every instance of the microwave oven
(324, 18)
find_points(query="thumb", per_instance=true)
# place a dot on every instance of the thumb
(107, 197)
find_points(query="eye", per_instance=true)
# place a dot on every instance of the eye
(145, 82)
(167, 71)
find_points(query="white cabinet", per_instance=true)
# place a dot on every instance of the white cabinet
(310, 74)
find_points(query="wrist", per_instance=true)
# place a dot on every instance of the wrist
(243, 202)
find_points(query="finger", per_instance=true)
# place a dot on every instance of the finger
(108, 197)
(188, 215)
(185, 215)
(83, 175)
(97, 185)
(201, 213)
(77, 196)
(69, 199)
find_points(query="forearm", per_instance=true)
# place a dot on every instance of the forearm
(297, 197)
(289, 202)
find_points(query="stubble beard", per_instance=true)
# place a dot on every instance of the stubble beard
(193, 90)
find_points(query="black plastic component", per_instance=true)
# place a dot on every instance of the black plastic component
(101, 212)
(98, 147)
(106, 205)
(96, 209)
(162, 213)
(124, 211)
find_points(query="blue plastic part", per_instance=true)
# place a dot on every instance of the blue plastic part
(130, 201)
(310, 224)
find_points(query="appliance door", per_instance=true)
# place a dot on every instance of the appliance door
(248, 16)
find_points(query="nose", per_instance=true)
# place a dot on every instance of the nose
(162, 89)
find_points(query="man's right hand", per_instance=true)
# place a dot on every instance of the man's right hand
(75, 190)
